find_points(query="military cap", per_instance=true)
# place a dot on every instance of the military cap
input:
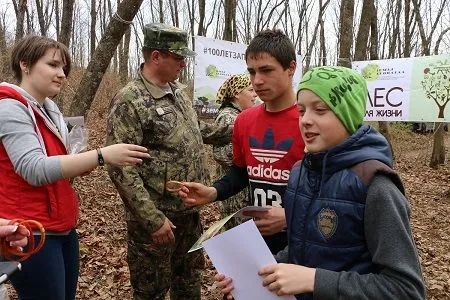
(166, 37)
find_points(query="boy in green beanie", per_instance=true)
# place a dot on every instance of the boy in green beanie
(348, 218)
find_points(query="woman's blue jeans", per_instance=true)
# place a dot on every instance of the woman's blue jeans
(51, 273)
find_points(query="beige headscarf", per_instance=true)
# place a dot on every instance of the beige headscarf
(232, 87)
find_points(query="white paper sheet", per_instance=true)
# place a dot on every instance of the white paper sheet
(215, 228)
(239, 253)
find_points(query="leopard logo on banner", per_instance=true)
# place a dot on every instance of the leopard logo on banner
(327, 222)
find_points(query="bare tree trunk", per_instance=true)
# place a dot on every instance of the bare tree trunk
(40, 13)
(173, 5)
(201, 12)
(3, 56)
(124, 55)
(438, 154)
(102, 16)
(385, 130)
(233, 12)
(161, 14)
(57, 21)
(20, 8)
(229, 17)
(191, 14)
(285, 21)
(258, 21)
(92, 31)
(66, 22)
(114, 66)
(30, 21)
(346, 32)
(396, 12)
(177, 19)
(323, 52)
(362, 38)
(102, 56)
(2, 37)
(374, 34)
(408, 31)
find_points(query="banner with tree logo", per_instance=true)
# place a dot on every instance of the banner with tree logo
(217, 60)
(407, 89)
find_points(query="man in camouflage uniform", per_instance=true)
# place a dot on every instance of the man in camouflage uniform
(154, 112)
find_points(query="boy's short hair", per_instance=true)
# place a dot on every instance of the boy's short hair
(342, 89)
(31, 48)
(275, 43)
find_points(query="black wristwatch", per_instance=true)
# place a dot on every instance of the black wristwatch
(101, 161)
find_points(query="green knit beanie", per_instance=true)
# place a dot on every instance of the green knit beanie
(342, 89)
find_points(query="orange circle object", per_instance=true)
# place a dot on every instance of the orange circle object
(173, 186)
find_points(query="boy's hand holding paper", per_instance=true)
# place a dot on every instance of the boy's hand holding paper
(240, 253)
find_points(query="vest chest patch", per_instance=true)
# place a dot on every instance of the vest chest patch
(327, 222)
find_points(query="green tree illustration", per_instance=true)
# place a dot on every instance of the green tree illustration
(436, 84)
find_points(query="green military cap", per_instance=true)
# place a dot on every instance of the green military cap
(166, 37)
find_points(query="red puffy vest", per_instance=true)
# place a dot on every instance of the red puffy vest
(55, 205)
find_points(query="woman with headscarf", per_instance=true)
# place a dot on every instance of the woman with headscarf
(235, 95)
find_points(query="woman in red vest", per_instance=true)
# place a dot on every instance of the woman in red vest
(35, 167)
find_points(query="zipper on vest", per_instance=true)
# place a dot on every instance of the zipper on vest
(316, 186)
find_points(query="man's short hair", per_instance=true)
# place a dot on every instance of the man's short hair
(275, 43)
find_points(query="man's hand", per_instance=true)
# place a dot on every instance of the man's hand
(226, 284)
(288, 279)
(269, 222)
(193, 194)
(164, 234)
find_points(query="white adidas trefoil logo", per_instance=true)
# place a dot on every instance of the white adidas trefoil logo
(267, 151)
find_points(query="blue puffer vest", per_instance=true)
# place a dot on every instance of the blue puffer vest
(325, 201)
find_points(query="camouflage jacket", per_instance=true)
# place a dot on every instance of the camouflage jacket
(166, 123)
(224, 154)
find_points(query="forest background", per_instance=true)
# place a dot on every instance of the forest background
(105, 39)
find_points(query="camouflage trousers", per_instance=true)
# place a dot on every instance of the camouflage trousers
(154, 272)
(232, 205)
